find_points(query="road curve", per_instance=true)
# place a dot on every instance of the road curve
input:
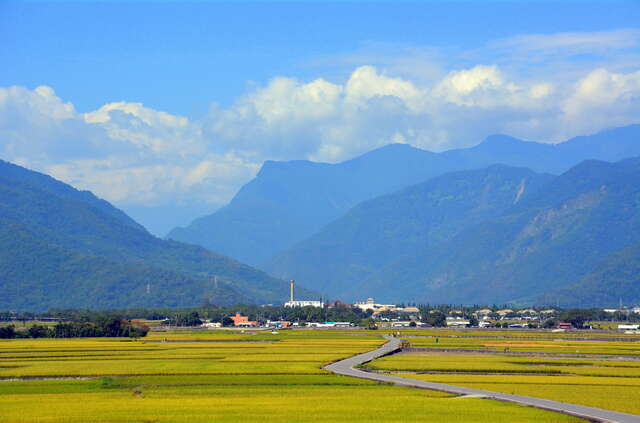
(346, 367)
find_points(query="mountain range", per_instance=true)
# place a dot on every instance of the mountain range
(500, 234)
(60, 247)
(288, 202)
(504, 221)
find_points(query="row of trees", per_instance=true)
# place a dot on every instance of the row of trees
(105, 327)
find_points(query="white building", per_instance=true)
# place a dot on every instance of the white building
(370, 304)
(628, 327)
(300, 303)
(460, 323)
(329, 325)
(212, 325)
(304, 303)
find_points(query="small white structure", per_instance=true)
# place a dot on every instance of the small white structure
(628, 327)
(370, 304)
(212, 325)
(458, 323)
(301, 303)
(304, 303)
(329, 325)
(401, 324)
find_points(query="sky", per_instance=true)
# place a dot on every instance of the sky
(166, 109)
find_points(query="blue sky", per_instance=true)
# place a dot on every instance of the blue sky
(180, 103)
(179, 57)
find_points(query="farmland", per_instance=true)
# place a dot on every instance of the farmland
(601, 373)
(222, 376)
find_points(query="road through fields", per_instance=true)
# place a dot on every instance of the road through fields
(346, 367)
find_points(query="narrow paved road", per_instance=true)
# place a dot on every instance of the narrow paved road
(346, 367)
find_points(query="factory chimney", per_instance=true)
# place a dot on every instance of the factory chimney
(292, 289)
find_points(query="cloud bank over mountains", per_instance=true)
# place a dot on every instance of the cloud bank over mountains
(132, 154)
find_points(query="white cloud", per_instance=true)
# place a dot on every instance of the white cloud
(573, 42)
(602, 98)
(131, 154)
(366, 83)
(124, 152)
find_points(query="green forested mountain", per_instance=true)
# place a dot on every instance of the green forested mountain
(615, 278)
(548, 241)
(552, 238)
(379, 232)
(289, 201)
(60, 247)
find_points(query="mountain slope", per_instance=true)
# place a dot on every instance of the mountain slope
(289, 201)
(37, 275)
(548, 241)
(615, 278)
(86, 245)
(379, 232)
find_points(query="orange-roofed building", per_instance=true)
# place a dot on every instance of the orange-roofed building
(242, 321)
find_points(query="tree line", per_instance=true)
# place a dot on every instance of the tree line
(102, 327)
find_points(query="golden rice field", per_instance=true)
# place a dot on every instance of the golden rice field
(559, 344)
(604, 374)
(219, 376)
(520, 333)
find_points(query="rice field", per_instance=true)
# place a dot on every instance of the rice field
(597, 373)
(219, 376)
(559, 344)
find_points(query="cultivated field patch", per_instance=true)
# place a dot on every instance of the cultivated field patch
(221, 376)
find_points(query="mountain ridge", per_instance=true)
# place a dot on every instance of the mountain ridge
(90, 244)
(289, 201)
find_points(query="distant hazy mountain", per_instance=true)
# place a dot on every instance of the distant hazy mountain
(379, 232)
(615, 278)
(60, 247)
(569, 232)
(290, 201)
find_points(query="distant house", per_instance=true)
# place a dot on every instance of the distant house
(278, 324)
(370, 304)
(243, 321)
(304, 303)
(458, 323)
(628, 327)
(211, 325)
(330, 325)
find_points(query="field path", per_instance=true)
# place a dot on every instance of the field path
(346, 367)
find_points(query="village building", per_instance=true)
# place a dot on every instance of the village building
(243, 321)
(370, 304)
(212, 325)
(300, 303)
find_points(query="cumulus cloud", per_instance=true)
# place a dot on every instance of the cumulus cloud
(325, 121)
(124, 152)
(132, 154)
(606, 98)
